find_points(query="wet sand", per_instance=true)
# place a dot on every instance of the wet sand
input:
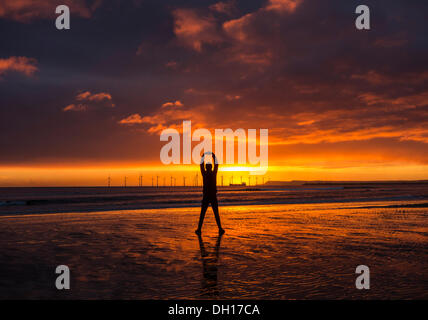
(268, 252)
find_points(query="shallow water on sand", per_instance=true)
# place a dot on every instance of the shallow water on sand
(271, 251)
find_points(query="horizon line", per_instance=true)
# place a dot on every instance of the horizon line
(268, 183)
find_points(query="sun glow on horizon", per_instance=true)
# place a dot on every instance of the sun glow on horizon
(98, 176)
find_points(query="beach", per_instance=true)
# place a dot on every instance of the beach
(271, 251)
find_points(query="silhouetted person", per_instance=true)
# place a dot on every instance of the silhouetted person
(209, 192)
(210, 267)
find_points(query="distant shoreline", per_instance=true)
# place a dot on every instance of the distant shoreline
(266, 184)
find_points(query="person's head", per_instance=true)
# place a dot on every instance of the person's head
(209, 166)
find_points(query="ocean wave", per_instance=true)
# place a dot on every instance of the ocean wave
(35, 200)
(12, 203)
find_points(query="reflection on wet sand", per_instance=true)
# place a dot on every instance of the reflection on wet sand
(210, 268)
(269, 252)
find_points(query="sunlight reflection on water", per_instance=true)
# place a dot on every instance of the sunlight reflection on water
(277, 251)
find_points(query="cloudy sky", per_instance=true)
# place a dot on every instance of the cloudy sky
(339, 103)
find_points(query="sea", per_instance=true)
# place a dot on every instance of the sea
(37, 200)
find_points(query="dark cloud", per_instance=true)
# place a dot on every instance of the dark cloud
(23, 65)
(28, 11)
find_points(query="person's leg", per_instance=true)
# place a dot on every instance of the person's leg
(204, 207)
(214, 205)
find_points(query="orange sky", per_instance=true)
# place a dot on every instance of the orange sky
(339, 103)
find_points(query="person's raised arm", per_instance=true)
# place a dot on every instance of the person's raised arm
(215, 163)
(202, 164)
